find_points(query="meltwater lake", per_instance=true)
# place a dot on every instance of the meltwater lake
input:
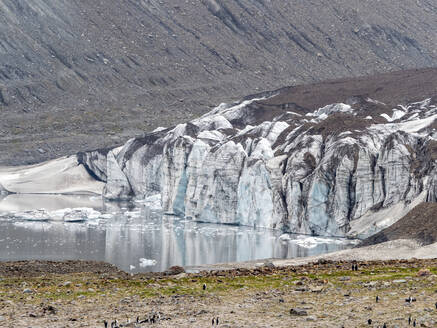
(136, 237)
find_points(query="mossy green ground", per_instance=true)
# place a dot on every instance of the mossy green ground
(331, 294)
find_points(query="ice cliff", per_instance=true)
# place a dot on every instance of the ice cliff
(348, 168)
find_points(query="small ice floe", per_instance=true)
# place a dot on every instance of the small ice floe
(133, 214)
(132, 267)
(152, 202)
(146, 262)
(80, 214)
(312, 242)
(284, 237)
(37, 215)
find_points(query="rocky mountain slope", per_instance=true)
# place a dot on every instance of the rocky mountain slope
(73, 72)
(346, 157)
(419, 224)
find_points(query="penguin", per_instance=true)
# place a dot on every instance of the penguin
(384, 325)
(369, 322)
(414, 323)
(217, 321)
(137, 320)
(146, 320)
(409, 320)
(105, 323)
(377, 299)
(213, 321)
(204, 287)
(436, 305)
(410, 299)
(356, 266)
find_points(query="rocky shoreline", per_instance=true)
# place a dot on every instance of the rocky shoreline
(322, 293)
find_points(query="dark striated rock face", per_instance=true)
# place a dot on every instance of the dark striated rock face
(352, 167)
(73, 73)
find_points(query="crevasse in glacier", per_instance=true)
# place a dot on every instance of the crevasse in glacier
(301, 172)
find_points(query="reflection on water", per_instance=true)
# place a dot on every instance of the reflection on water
(131, 237)
(27, 202)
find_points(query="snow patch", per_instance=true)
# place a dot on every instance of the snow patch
(397, 114)
(293, 113)
(408, 127)
(324, 112)
(375, 101)
(232, 112)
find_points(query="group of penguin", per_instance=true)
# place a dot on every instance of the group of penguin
(410, 300)
(151, 320)
(410, 320)
(215, 321)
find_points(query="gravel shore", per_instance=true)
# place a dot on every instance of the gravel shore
(324, 292)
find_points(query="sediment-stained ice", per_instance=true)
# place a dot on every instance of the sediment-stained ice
(300, 172)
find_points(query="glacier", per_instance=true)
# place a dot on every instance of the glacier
(302, 172)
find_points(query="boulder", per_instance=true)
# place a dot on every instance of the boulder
(298, 312)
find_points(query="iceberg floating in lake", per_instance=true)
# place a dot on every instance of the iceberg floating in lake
(146, 262)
